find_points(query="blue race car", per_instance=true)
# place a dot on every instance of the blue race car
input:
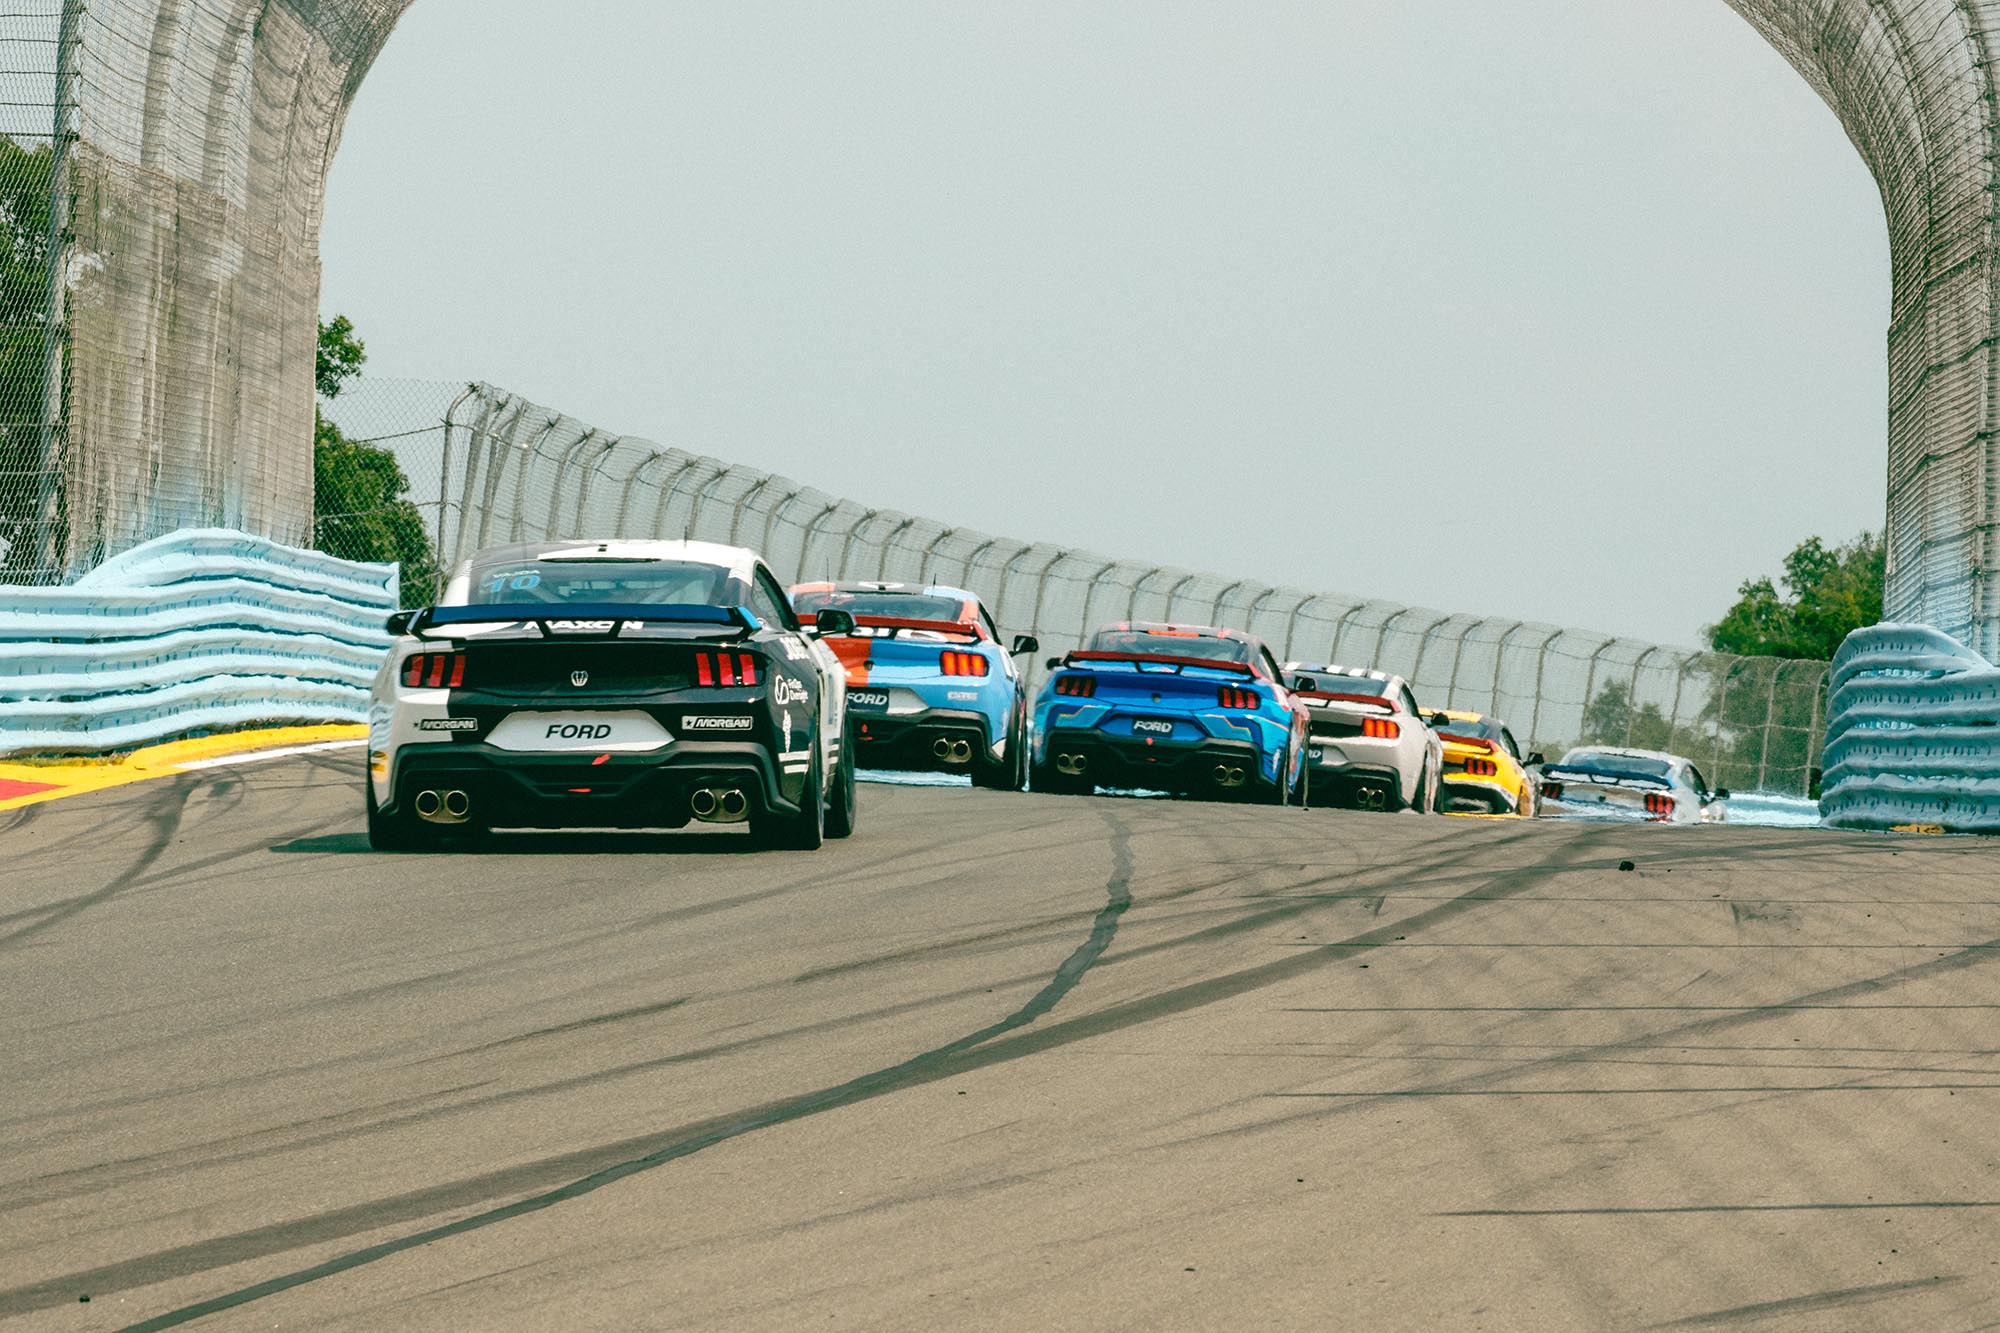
(928, 685)
(1180, 708)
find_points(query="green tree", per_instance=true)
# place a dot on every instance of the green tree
(1827, 595)
(25, 179)
(361, 496)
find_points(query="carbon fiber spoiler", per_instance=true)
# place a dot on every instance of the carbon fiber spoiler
(583, 620)
(1160, 659)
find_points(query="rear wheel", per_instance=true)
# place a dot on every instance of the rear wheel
(1011, 773)
(801, 832)
(841, 806)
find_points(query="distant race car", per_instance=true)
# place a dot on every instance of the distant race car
(928, 685)
(1179, 708)
(1371, 746)
(619, 684)
(1484, 772)
(1607, 782)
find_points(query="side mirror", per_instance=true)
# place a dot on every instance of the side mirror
(1026, 643)
(399, 622)
(831, 620)
(1054, 664)
(1306, 683)
(1535, 760)
(1719, 794)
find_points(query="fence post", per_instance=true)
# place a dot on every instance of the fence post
(1250, 615)
(1632, 696)
(54, 546)
(581, 523)
(1132, 602)
(1500, 665)
(1175, 591)
(444, 480)
(1041, 592)
(1770, 720)
(889, 544)
(1457, 656)
(496, 472)
(1215, 611)
(973, 559)
(625, 494)
(924, 569)
(1382, 634)
(1541, 667)
(1423, 646)
(668, 491)
(1813, 751)
(528, 454)
(847, 544)
(770, 522)
(1083, 625)
(1590, 678)
(701, 502)
(812, 530)
(743, 502)
(1292, 626)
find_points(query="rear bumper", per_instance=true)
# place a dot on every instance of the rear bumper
(1489, 795)
(1117, 762)
(909, 740)
(514, 790)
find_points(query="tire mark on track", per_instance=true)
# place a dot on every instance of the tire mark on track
(939, 1062)
(163, 814)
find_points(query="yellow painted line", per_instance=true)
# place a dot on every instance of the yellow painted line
(24, 784)
(1917, 828)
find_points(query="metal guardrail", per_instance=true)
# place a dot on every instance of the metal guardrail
(204, 630)
(1913, 734)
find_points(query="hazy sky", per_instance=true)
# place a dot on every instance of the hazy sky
(1560, 309)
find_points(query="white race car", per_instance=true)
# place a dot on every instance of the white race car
(1609, 782)
(1370, 746)
(617, 684)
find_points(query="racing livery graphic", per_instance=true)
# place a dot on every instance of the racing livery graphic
(1180, 708)
(928, 686)
(609, 685)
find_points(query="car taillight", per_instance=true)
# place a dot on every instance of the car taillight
(727, 669)
(1380, 729)
(1235, 696)
(1552, 791)
(434, 670)
(1481, 768)
(1079, 687)
(1657, 804)
(954, 663)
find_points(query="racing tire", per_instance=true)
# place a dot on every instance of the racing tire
(1424, 801)
(840, 808)
(395, 833)
(801, 832)
(1011, 773)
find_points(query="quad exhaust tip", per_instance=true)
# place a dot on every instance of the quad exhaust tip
(442, 807)
(1072, 764)
(952, 750)
(719, 805)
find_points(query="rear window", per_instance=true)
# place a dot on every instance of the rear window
(1170, 645)
(1599, 761)
(620, 582)
(897, 605)
(1482, 730)
(1333, 682)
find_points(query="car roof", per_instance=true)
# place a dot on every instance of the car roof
(738, 560)
(1175, 628)
(1352, 673)
(912, 589)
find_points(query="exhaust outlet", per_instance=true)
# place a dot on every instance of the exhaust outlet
(1372, 798)
(1072, 764)
(1228, 775)
(719, 805)
(941, 747)
(732, 804)
(702, 803)
(441, 807)
(952, 750)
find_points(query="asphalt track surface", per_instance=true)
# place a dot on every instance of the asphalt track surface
(1000, 1061)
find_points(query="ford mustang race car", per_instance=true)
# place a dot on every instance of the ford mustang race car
(928, 685)
(1180, 708)
(1483, 770)
(1371, 746)
(1609, 782)
(623, 684)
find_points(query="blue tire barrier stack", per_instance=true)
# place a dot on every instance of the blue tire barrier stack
(201, 631)
(1913, 734)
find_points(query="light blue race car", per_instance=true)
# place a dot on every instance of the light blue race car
(928, 685)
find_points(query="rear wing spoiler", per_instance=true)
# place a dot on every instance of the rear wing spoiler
(608, 620)
(1367, 700)
(965, 627)
(1160, 659)
(1605, 777)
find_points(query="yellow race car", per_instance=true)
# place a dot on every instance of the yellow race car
(1483, 772)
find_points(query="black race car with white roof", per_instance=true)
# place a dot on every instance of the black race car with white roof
(615, 684)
